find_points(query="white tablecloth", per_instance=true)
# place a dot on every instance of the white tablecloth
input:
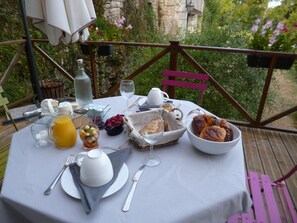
(188, 185)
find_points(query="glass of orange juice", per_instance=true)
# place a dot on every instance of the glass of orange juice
(63, 131)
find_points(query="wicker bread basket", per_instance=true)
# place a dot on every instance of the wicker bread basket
(175, 129)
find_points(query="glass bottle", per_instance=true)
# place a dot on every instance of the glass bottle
(82, 86)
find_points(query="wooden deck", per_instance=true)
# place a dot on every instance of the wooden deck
(271, 152)
(266, 151)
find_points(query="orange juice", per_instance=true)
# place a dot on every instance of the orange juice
(64, 132)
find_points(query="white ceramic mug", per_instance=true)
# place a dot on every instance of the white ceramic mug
(156, 96)
(95, 168)
(65, 107)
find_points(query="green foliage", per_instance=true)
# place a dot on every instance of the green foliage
(106, 30)
(229, 70)
(242, 13)
(142, 20)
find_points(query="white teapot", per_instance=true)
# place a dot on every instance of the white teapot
(95, 168)
(156, 97)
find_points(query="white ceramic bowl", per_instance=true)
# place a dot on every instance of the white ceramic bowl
(96, 168)
(211, 147)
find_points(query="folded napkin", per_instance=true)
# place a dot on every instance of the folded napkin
(145, 106)
(91, 196)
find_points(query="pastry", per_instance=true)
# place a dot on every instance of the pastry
(229, 133)
(213, 133)
(211, 128)
(152, 127)
(167, 107)
(198, 124)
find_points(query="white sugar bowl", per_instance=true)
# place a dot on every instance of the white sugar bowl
(96, 168)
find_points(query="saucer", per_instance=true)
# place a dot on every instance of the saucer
(70, 188)
(166, 101)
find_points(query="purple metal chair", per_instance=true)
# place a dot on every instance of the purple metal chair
(271, 200)
(185, 83)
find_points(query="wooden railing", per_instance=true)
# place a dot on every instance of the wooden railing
(174, 49)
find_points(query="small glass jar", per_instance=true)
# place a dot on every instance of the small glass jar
(89, 134)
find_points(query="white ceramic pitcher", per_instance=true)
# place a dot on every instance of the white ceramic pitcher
(156, 96)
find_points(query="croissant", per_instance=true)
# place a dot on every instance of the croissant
(211, 128)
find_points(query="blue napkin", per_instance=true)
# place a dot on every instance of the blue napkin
(91, 196)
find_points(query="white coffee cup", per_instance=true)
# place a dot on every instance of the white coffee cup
(65, 107)
(95, 168)
(156, 96)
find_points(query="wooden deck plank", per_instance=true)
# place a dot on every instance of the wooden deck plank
(252, 157)
(283, 158)
(290, 141)
(266, 153)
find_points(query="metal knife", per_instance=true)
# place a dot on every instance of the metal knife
(26, 116)
(131, 193)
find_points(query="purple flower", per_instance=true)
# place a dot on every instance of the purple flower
(263, 32)
(129, 26)
(267, 25)
(122, 20)
(276, 32)
(255, 28)
(257, 21)
(120, 23)
(272, 40)
(280, 26)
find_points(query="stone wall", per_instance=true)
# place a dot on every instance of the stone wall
(172, 16)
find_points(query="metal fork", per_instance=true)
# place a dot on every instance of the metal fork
(70, 159)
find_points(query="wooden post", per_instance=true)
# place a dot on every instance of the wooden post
(265, 90)
(174, 45)
(30, 54)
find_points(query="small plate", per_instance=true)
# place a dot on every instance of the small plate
(70, 188)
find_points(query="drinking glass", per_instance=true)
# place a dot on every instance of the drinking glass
(127, 90)
(152, 130)
(40, 135)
